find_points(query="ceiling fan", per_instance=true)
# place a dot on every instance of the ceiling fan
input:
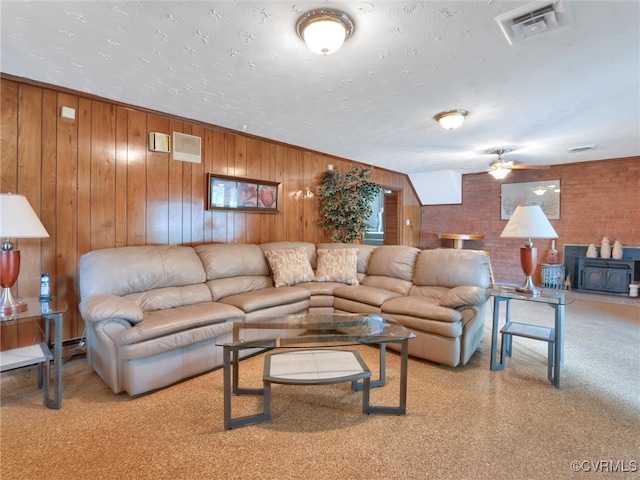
(500, 168)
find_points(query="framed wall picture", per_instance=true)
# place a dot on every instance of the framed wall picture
(245, 194)
(545, 193)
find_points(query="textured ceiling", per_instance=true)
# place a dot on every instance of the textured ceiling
(241, 65)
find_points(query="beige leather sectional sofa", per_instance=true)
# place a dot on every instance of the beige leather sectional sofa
(154, 314)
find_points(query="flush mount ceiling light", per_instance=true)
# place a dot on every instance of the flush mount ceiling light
(451, 119)
(324, 31)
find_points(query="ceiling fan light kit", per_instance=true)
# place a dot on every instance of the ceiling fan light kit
(501, 168)
(500, 172)
(324, 31)
(451, 119)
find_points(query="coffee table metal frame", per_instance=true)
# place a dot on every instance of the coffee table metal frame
(314, 331)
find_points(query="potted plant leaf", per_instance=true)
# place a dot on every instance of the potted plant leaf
(345, 202)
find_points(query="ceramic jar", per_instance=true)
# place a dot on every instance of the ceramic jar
(616, 252)
(591, 251)
(605, 248)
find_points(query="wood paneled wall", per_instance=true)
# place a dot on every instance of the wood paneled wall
(95, 184)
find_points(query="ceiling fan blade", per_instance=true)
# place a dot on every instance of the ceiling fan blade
(516, 166)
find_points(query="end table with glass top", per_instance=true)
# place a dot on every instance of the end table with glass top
(40, 354)
(313, 332)
(553, 336)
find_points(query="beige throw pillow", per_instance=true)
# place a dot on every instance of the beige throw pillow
(289, 266)
(338, 265)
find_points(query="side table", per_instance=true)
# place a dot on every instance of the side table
(553, 336)
(40, 354)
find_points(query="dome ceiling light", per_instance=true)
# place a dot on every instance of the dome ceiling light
(451, 119)
(324, 31)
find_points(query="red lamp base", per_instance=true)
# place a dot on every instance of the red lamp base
(528, 258)
(9, 269)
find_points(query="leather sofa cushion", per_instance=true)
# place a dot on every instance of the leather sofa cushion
(125, 270)
(364, 294)
(460, 296)
(394, 261)
(160, 323)
(176, 341)
(421, 307)
(226, 260)
(225, 287)
(429, 291)
(395, 285)
(102, 307)
(266, 298)
(171, 297)
(320, 288)
(452, 268)
(437, 327)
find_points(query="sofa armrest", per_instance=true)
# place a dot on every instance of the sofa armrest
(103, 307)
(461, 296)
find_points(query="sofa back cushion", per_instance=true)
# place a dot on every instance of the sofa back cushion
(391, 268)
(227, 260)
(234, 268)
(131, 270)
(447, 267)
(394, 261)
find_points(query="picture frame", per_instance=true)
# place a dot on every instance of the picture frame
(545, 193)
(241, 194)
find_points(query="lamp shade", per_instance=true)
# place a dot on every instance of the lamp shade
(17, 218)
(528, 221)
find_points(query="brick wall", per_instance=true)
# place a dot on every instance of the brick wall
(597, 199)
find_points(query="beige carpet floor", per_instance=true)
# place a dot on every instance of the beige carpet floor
(462, 423)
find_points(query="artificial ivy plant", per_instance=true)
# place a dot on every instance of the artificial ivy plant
(345, 202)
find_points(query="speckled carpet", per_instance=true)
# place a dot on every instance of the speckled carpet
(462, 423)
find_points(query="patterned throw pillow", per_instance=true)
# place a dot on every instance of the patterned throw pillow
(289, 266)
(338, 265)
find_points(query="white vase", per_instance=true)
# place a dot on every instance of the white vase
(617, 250)
(605, 248)
(591, 251)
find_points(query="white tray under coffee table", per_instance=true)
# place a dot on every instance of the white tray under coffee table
(315, 367)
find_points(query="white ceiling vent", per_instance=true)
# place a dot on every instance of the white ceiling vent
(534, 18)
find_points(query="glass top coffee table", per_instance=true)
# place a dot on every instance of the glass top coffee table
(315, 333)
